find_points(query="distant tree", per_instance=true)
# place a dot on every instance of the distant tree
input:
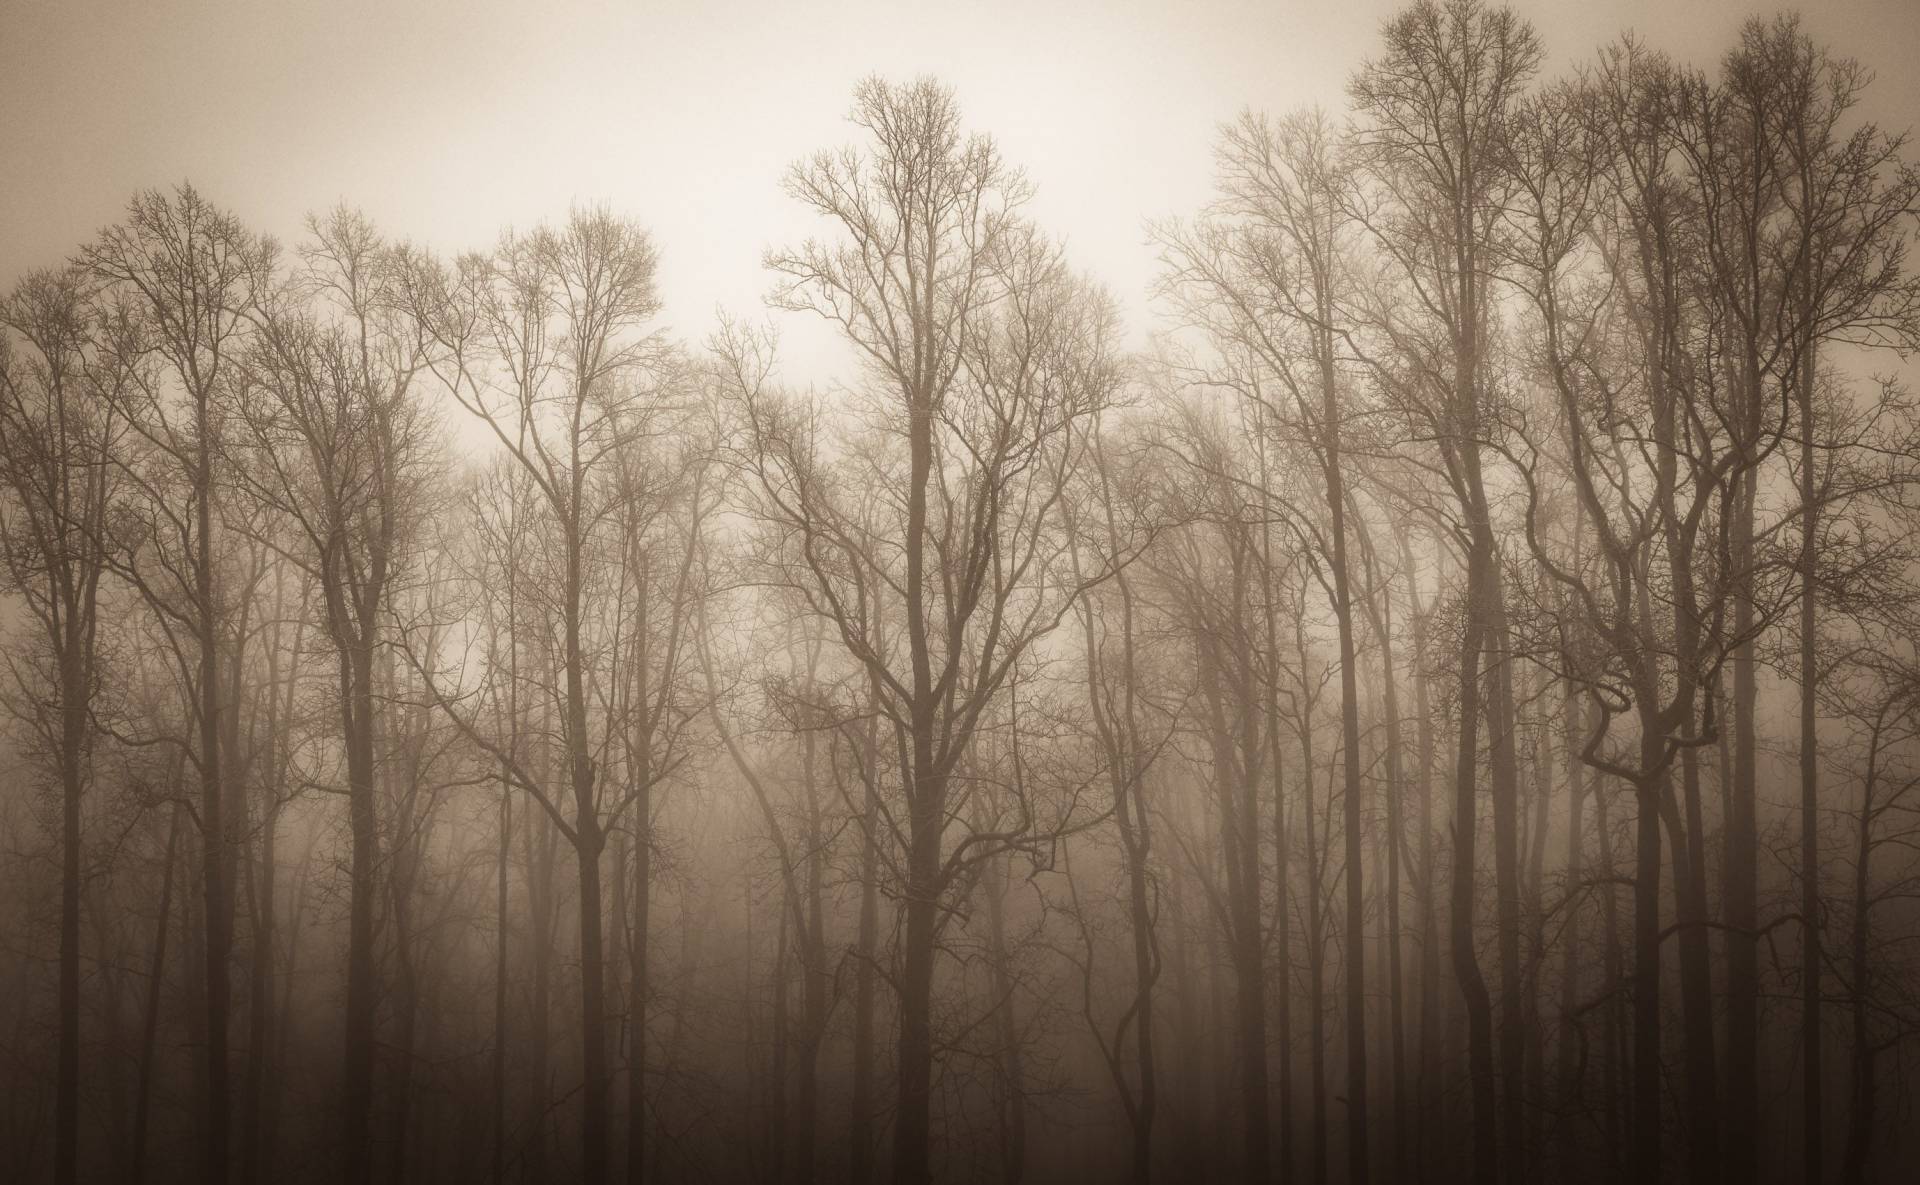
(335, 440)
(542, 343)
(186, 278)
(58, 429)
(1429, 115)
(981, 357)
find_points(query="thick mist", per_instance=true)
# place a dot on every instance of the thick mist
(1407, 676)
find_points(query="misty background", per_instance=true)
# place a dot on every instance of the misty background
(1012, 592)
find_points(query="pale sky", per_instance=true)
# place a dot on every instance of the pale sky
(446, 121)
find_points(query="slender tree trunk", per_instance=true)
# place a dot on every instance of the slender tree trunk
(1396, 787)
(1356, 913)
(500, 984)
(912, 1150)
(1542, 769)
(1566, 1070)
(815, 984)
(1316, 938)
(1466, 966)
(1237, 792)
(406, 1000)
(150, 1022)
(1740, 888)
(640, 984)
(1696, 979)
(1644, 1163)
(260, 999)
(926, 824)
(1013, 1147)
(539, 841)
(1282, 923)
(593, 1023)
(356, 678)
(1428, 1055)
(1502, 727)
(1186, 1028)
(1612, 967)
(218, 901)
(588, 843)
(1863, 1108)
(1811, 1060)
(861, 1137)
(75, 696)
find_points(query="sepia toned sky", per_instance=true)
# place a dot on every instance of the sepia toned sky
(445, 121)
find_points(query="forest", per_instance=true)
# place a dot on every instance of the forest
(1446, 709)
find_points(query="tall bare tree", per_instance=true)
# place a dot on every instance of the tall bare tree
(187, 277)
(980, 355)
(542, 343)
(57, 431)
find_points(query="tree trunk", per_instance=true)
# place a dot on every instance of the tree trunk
(1696, 979)
(1282, 923)
(593, 1020)
(500, 985)
(1502, 727)
(1644, 1163)
(860, 1164)
(1013, 1107)
(356, 678)
(260, 998)
(1316, 939)
(1740, 888)
(150, 1022)
(1466, 967)
(1811, 1064)
(215, 841)
(539, 843)
(1428, 1054)
(912, 1162)
(640, 985)
(1396, 786)
(1569, 1081)
(75, 696)
(1863, 1106)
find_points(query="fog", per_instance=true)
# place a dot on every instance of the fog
(1029, 593)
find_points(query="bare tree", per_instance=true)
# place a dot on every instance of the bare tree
(1431, 111)
(187, 276)
(57, 430)
(540, 342)
(981, 356)
(337, 443)
(1269, 274)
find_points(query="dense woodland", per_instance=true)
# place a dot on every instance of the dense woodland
(1446, 709)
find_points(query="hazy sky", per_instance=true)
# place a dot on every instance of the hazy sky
(445, 121)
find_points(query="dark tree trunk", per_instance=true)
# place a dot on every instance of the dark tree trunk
(356, 707)
(1316, 933)
(500, 985)
(150, 1022)
(1863, 1108)
(260, 999)
(1502, 727)
(1811, 1061)
(911, 1141)
(75, 697)
(1013, 1099)
(861, 1136)
(1740, 887)
(1466, 966)
(214, 825)
(640, 984)
(1644, 1162)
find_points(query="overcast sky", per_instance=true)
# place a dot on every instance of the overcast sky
(446, 121)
